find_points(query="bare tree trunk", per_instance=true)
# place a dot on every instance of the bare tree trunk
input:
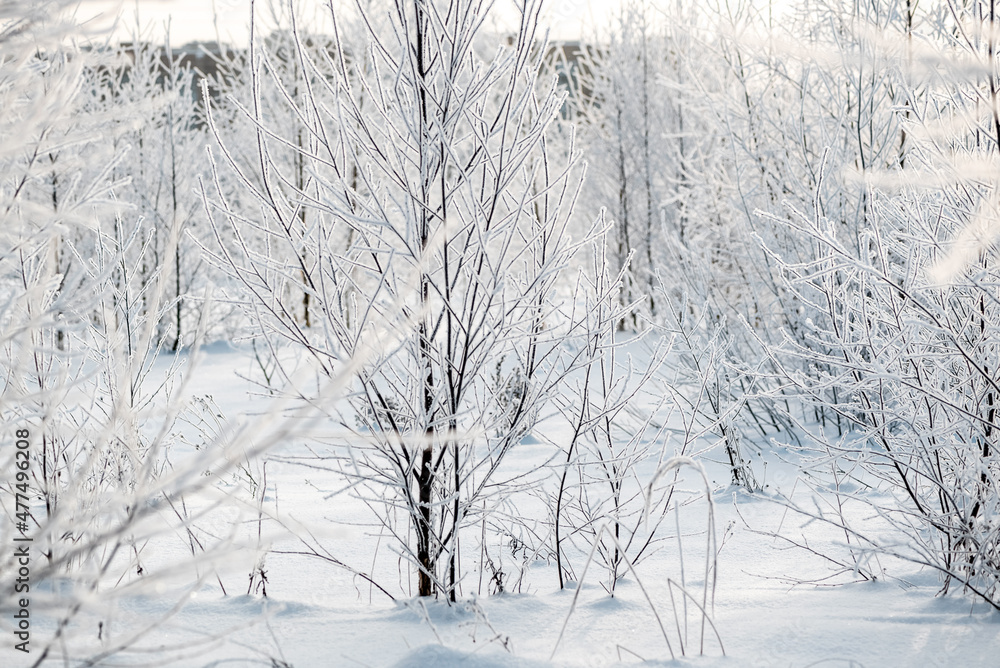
(624, 244)
(175, 229)
(425, 480)
(648, 167)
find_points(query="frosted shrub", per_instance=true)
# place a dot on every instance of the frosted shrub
(893, 339)
(91, 476)
(913, 366)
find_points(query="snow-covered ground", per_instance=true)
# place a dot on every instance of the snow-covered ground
(316, 613)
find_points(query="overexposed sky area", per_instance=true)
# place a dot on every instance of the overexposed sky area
(195, 20)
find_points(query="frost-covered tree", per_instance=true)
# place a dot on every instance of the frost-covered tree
(626, 114)
(88, 485)
(153, 103)
(435, 160)
(907, 345)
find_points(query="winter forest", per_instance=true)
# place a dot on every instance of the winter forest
(417, 336)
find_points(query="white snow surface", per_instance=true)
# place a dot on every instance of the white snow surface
(318, 614)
